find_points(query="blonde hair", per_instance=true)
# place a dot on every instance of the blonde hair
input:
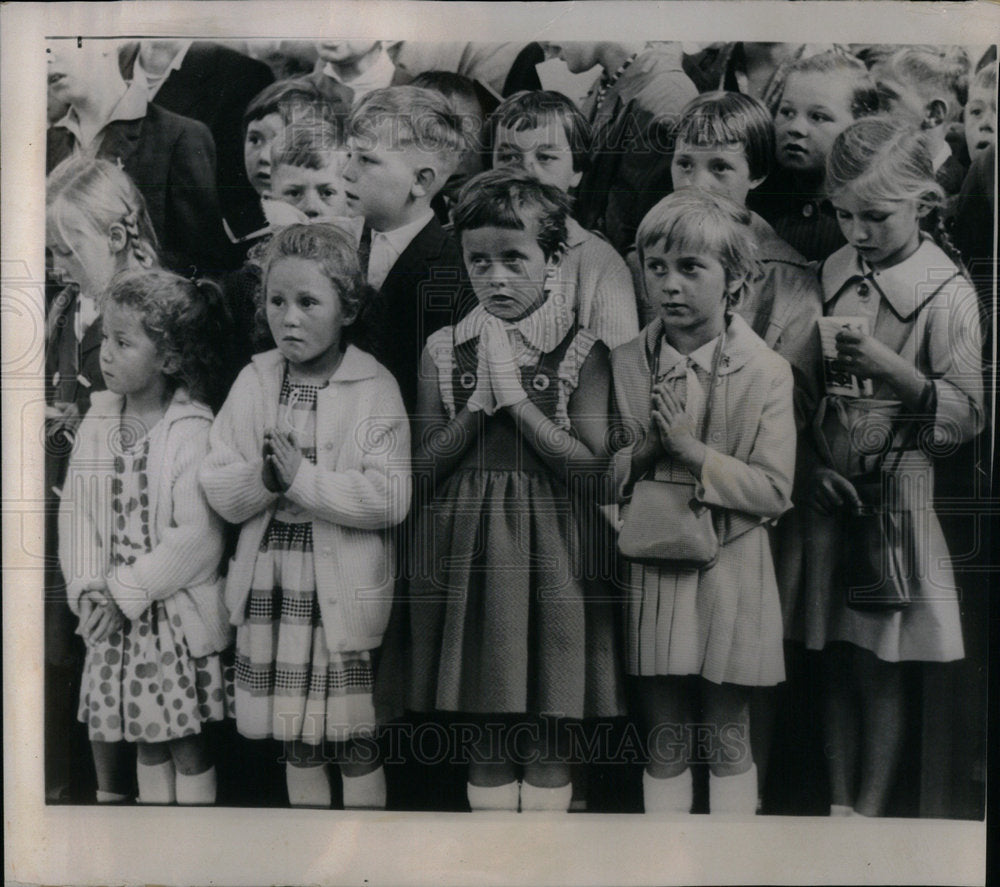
(704, 221)
(102, 195)
(884, 160)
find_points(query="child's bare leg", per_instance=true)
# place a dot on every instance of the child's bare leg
(665, 711)
(726, 710)
(155, 773)
(492, 774)
(547, 784)
(306, 775)
(196, 782)
(732, 781)
(881, 686)
(841, 724)
(362, 774)
(111, 782)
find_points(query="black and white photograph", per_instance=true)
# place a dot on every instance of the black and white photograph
(558, 455)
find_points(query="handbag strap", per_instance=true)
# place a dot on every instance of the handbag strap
(716, 361)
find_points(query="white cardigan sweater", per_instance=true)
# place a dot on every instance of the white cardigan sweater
(358, 488)
(187, 537)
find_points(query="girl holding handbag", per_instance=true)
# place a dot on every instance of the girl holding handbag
(871, 500)
(707, 408)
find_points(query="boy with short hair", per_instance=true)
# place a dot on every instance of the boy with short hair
(306, 180)
(981, 111)
(927, 87)
(543, 133)
(403, 144)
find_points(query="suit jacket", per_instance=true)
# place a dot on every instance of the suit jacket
(172, 161)
(214, 85)
(426, 289)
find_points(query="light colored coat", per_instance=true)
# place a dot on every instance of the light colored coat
(359, 487)
(186, 535)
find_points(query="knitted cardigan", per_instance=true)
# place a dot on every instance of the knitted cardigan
(358, 488)
(186, 535)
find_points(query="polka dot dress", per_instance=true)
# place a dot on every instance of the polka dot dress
(141, 684)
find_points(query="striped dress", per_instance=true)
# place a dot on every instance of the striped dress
(289, 685)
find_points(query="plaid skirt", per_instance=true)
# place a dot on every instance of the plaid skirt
(289, 685)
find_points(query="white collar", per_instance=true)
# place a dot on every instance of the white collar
(741, 341)
(131, 106)
(904, 286)
(152, 83)
(543, 329)
(671, 359)
(378, 76)
(400, 238)
(576, 233)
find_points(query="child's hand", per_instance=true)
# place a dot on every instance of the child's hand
(267, 473)
(62, 417)
(285, 457)
(673, 427)
(505, 377)
(865, 356)
(103, 621)
(832, 491)
(482, 398)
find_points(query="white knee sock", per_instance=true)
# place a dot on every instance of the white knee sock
(110, 797)
(733, 795)
(674, 794)
(536, 797)
(198, 788)
(307, 786)
(156, 783)
(497, 797)
(365, 792)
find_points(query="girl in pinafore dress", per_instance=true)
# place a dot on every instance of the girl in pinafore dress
(310, 453)
(704, 637)
(140, 547)
(507, 623)
(923, 358)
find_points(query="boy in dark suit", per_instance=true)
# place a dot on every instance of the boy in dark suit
(403, 143)
(169, 157)
(212, 84)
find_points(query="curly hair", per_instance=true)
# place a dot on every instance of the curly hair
(509, 198)
(337, 256)
(704, 222)
(184, 319)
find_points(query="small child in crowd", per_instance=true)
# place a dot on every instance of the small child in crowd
(545, 134)
(306, 181)
(823, 95)
(404, 143)
(926, 88)
(506, 624)
(922, 355)
(310, 454)
(139, 546)
(711, 405)
(981, 111)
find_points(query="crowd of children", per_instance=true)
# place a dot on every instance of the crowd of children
(341, 442)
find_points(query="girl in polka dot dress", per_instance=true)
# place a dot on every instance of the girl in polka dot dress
(311, 454)
(140, 546)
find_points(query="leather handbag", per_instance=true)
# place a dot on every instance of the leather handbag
(874, 554)
(665, 525)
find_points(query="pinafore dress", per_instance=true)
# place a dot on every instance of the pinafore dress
(503, 618)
